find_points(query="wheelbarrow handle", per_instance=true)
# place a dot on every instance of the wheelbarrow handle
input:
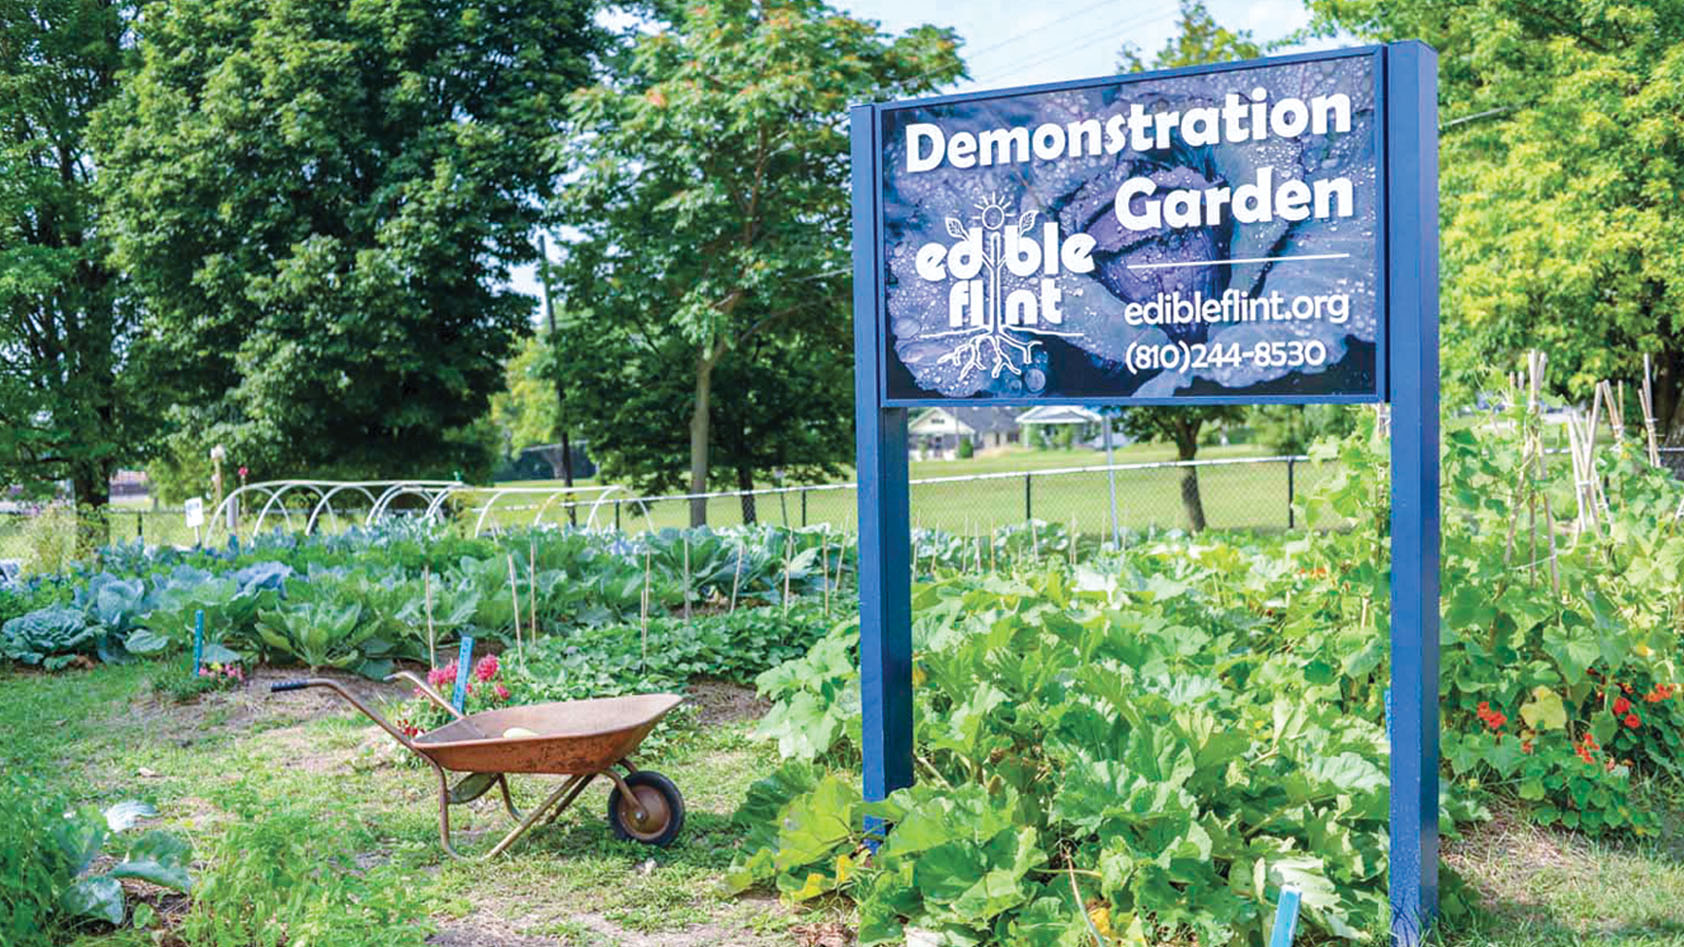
(426, 691)
(350, 698)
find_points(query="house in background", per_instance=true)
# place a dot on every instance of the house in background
(935, 433)
(1086, 426)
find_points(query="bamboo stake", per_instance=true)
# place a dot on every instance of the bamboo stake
(1616, 410)
(686, 579)
(786, 576)
(532, 589)
(1072, 542)
(514, 596)
(737, 576)
(645, 607)
(824, 568)
(1647, 398)
(432, 640)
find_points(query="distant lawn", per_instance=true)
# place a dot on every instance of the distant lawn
(1240, 496)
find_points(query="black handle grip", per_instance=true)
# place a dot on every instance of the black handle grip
(288, 686)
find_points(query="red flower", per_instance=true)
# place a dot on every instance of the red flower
(502, 692)
(1633, 721)
(1621, 706)
(486, 669)
(443, 675)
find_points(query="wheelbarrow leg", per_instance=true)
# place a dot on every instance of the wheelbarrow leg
(508, 800)
(571, 789)
(444, 809)
(573, 785)
(558, 810)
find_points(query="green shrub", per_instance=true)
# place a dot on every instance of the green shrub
(620, 659)
(48, 857)
(33, 868)
(289, 877)
(1176, 730)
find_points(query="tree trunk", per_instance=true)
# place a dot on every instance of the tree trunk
(699, 437)
(745, 483)
(1669, 400)
(92, 486)
(1186, 449)
(560, 389)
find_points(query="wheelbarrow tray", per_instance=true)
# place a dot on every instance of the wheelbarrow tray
(572, 736)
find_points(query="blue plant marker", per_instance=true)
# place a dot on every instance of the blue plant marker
(463, 658)
(1286, 917)
(198, 640)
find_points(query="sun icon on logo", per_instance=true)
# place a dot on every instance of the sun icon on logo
(992, 211)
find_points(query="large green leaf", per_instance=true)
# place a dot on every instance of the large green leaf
(100, 899)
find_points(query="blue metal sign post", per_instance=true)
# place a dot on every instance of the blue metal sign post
(1111, 256)
(1412, 304)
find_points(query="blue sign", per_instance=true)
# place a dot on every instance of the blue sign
(1253, 232)
(464, 659)
(1210, 235)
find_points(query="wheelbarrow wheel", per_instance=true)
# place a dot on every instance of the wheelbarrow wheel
(658, 801)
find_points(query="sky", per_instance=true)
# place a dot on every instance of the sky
(1023, 42)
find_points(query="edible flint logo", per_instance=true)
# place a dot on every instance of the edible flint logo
(1004, 288)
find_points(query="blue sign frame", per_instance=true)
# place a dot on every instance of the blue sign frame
(963, 112)
(1408, 377)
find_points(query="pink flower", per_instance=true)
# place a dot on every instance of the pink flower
(502, 692)
(486, 669)
(444, 675)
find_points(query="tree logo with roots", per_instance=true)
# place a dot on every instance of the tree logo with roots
(1003, 292)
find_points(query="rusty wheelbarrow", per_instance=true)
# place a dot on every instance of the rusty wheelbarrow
(580, 739)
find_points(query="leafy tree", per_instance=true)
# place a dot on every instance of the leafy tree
(1199, 39)
(709, 182)
(317, 201)
(782, 404)
(1292, 428)
(525, 412)
(66, 408)
(1562, 177)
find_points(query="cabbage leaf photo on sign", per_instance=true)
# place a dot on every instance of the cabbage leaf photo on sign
(1167, 237)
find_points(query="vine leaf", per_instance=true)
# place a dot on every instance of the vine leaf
(955, 229)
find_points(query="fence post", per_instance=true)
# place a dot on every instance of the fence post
(616, 516)
(1028, 502)
(1291, 463)
(803, 507)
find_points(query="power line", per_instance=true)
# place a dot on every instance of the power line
(974, 54)
(1113, 35)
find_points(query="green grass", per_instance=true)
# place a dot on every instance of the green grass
(106, 738)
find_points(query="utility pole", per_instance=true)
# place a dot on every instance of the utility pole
(560, 389)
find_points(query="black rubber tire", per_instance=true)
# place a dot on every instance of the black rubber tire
(659, 797)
